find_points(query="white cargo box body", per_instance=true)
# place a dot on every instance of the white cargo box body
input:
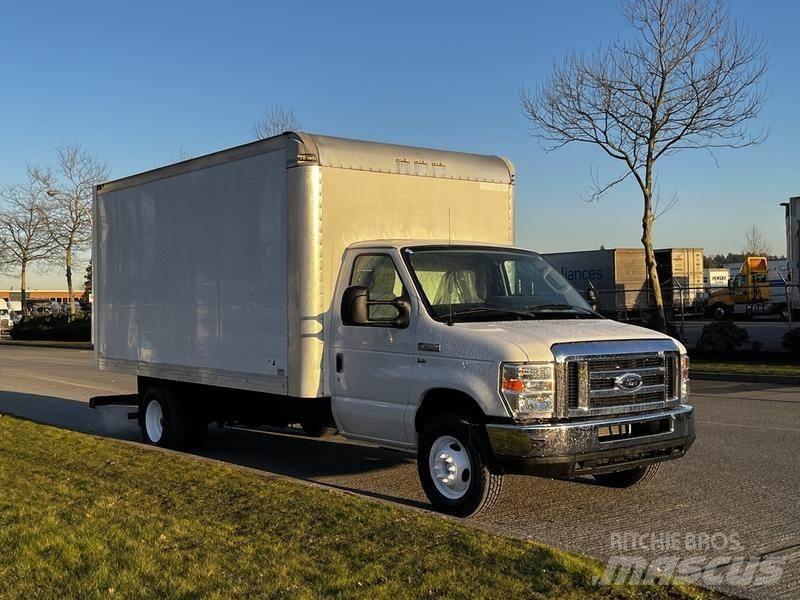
(220, 269)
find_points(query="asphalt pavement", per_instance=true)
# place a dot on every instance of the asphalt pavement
(734, 495)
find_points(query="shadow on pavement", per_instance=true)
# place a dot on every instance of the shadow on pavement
(282, 453)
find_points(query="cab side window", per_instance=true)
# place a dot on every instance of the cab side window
(377, 273)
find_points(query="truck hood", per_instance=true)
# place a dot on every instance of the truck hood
(534, 338)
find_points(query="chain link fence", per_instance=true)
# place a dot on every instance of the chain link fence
(776, 302)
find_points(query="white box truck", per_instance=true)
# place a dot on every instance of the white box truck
(373, 288)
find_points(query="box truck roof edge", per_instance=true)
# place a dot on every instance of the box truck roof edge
(330, 151)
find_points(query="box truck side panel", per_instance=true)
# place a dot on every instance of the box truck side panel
(359, 206)
(584, 267)
(191, 273)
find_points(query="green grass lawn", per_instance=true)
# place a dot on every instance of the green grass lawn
(87, 517)
(722, 366)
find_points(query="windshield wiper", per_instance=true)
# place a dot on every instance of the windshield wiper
(561, 308)
(491, 309)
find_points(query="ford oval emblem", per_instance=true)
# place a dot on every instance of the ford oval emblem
(628, 382)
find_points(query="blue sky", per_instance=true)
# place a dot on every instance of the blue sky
(137, 82)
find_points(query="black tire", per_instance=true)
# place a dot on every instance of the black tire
(635, 477)
(315, 428)
(182, 426)
(720, 312)
(483, 486)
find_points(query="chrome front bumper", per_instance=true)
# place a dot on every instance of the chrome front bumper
(592, 446)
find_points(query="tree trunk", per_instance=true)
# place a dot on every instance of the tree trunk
(650, 261)
(70, 292)
(23, 283)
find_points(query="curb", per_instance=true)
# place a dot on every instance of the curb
(746, 378)
(48, 344)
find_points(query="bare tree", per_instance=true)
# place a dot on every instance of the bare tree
(688, 78)
(754, 243)
(276, 120)
(68, 214)
(183, 155)
(24, 237)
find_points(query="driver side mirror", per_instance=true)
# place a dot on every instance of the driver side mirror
(591, 296)
(355, 309)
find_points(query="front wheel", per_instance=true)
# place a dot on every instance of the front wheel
(629, 477)
(720, 312)
(453, 469)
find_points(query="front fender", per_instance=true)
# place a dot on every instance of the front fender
(475, 378)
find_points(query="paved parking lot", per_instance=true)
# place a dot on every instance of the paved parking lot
(740, 480)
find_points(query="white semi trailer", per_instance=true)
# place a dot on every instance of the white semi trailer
(374, 288)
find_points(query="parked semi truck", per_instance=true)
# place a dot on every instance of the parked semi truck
(376, 289)
(749, 293)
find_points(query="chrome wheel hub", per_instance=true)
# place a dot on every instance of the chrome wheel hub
(450, 467)
(154, 421)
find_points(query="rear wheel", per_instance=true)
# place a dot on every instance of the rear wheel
(629, 477)
(170, 422)
(452, 466)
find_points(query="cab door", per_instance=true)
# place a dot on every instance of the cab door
(372, 364)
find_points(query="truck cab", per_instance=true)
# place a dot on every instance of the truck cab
(484, 360)
(747, 293)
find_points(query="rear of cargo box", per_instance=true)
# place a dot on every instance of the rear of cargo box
(190, 271)
(680, 271)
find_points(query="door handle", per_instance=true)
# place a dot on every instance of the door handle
(421, 361)
(339, 362)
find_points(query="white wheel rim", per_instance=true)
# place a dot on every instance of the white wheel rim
(450, 467)
(154, 421)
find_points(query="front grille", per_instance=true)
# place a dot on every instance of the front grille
(625, 400)
(594, 383)
(626, 362)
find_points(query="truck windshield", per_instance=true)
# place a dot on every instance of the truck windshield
(486, 284)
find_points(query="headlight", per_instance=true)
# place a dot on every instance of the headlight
(684, 376)
(528, 389)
